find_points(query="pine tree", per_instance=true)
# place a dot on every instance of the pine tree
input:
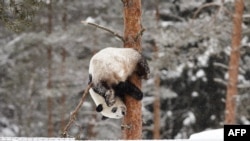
(49, 83)
(132, 38)
(234, 63)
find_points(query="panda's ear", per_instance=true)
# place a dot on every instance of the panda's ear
(90, 79)
(142, 68)
(99, 108)
(104, 118)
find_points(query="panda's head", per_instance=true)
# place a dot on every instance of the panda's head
(117, 110)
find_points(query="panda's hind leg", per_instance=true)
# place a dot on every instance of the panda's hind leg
(128, 88)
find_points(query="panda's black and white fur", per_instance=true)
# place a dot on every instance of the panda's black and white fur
(109, 71)
(117, 110)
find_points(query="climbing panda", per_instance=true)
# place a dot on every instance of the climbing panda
(110, 69)
(117, 110)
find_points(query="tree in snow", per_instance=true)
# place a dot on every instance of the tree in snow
(132, 38)
(232, 89)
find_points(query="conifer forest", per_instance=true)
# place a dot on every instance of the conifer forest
(192, 48)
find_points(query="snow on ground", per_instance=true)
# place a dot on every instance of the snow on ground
(208, 135)
(34, 139)
(215, 134)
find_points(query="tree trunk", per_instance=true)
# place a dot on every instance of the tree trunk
(49, 30)
(65, 15)
(157, 11)
(132, 39)
(157, 105)
(63, 96)
(156, 132)
(49, 85)
(49, 99)
(234, 63)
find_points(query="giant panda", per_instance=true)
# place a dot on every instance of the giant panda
(110, 69)
(117, 110)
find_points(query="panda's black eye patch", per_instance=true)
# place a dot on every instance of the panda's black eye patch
(114, 109)
(99, 108)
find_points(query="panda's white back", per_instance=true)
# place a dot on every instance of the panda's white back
(107, 111)
(113, 64)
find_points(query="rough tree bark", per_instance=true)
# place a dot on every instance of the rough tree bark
(234, 63)
(132, 39)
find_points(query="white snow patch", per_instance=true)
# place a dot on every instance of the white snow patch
(148, 100)
(195, 94)
(169, 113)
(202, 59)
(200, 73)
(166, 24)
(190, 64)
(90, 20)
(35, 139)
(212, 117)
(217, 134)
(244, 120)
(167, 93)
(190, 119)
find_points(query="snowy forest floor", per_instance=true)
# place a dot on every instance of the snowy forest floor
(72, 139)
(211, 135)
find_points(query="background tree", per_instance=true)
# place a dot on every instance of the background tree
(193, 58)
(49, 83)
(232, 90)
(63, 95)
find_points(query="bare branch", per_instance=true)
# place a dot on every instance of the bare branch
(239, 86)
(243, 86)
(246, 16)
(74, 113)
(104, 28)
(219, 80)
(220, 65)
(204, 6)
(241, 70)
(219, 5)
(139, 34)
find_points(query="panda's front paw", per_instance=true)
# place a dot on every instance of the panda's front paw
(110, 98)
